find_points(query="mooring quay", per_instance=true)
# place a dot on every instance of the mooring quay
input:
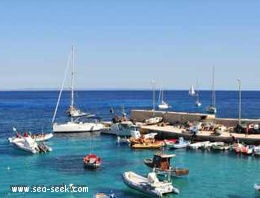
(176, 120)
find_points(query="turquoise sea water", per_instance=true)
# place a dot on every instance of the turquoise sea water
(213, 175)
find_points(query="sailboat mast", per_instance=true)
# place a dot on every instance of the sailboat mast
(162, 96)
(159, 98)
(213, 87)
(72, 79)
(153, 87)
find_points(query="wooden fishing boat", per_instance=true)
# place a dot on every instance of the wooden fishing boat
(162, 164)
(148, 145)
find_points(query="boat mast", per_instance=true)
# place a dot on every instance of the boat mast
(197, 90)
(159, 98)
(153, 87)
(213, 88)
(62, 87)
(162, 96)
(72, 79)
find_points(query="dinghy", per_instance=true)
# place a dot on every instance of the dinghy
(149, 185)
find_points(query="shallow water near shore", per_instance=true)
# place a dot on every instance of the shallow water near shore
(216, 175)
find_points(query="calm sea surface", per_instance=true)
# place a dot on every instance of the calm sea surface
(213, 175)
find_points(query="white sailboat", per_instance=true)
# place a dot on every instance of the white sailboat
(194, 93)
(162, 104)
(198, 103)
(75, 124)
(73, 111)
(212, 108)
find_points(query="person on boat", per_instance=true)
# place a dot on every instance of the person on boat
(234, 140)
(141, 139)
(18, 135)
(247, 129)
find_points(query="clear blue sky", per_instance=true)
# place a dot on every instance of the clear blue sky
(128, 43)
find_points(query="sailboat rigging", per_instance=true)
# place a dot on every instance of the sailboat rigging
(192, 91)
(76, 124)
(73, 111)
(198, 103)
(212, 108)
(195, 93)
(161, 102)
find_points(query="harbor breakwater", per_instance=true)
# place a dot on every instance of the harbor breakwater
(170, 131)
(182, 117)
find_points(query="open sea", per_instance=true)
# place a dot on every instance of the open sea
(212, 175)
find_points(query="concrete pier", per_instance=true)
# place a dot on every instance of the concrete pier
(171, 131)
(182, 117)
(174, 132)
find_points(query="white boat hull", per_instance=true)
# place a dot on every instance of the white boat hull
(30, 145)
(21, 146)
(198, 145)
(163, 105)
(43, 137)
(71, 127)
(257, 187)
(123, 129)
(142, 184)
(153, 120)
(181, 143)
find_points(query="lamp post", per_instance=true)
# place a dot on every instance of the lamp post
(239, 101)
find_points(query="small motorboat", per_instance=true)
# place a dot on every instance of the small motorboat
(256, 151)
(37, 137)
(137, 138)
(42, 136)
(91, 161)
(148, 145)
(153, 120)
(170, 141)
(198, 145)
(180, 143)
(224, 147)
(149, 185)
(105, 195)
(257, 187)
(30, 145)
(212, 144)
(123, 128)
(161, 162)
(26, 144)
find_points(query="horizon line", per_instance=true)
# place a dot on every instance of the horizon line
(116, 89)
